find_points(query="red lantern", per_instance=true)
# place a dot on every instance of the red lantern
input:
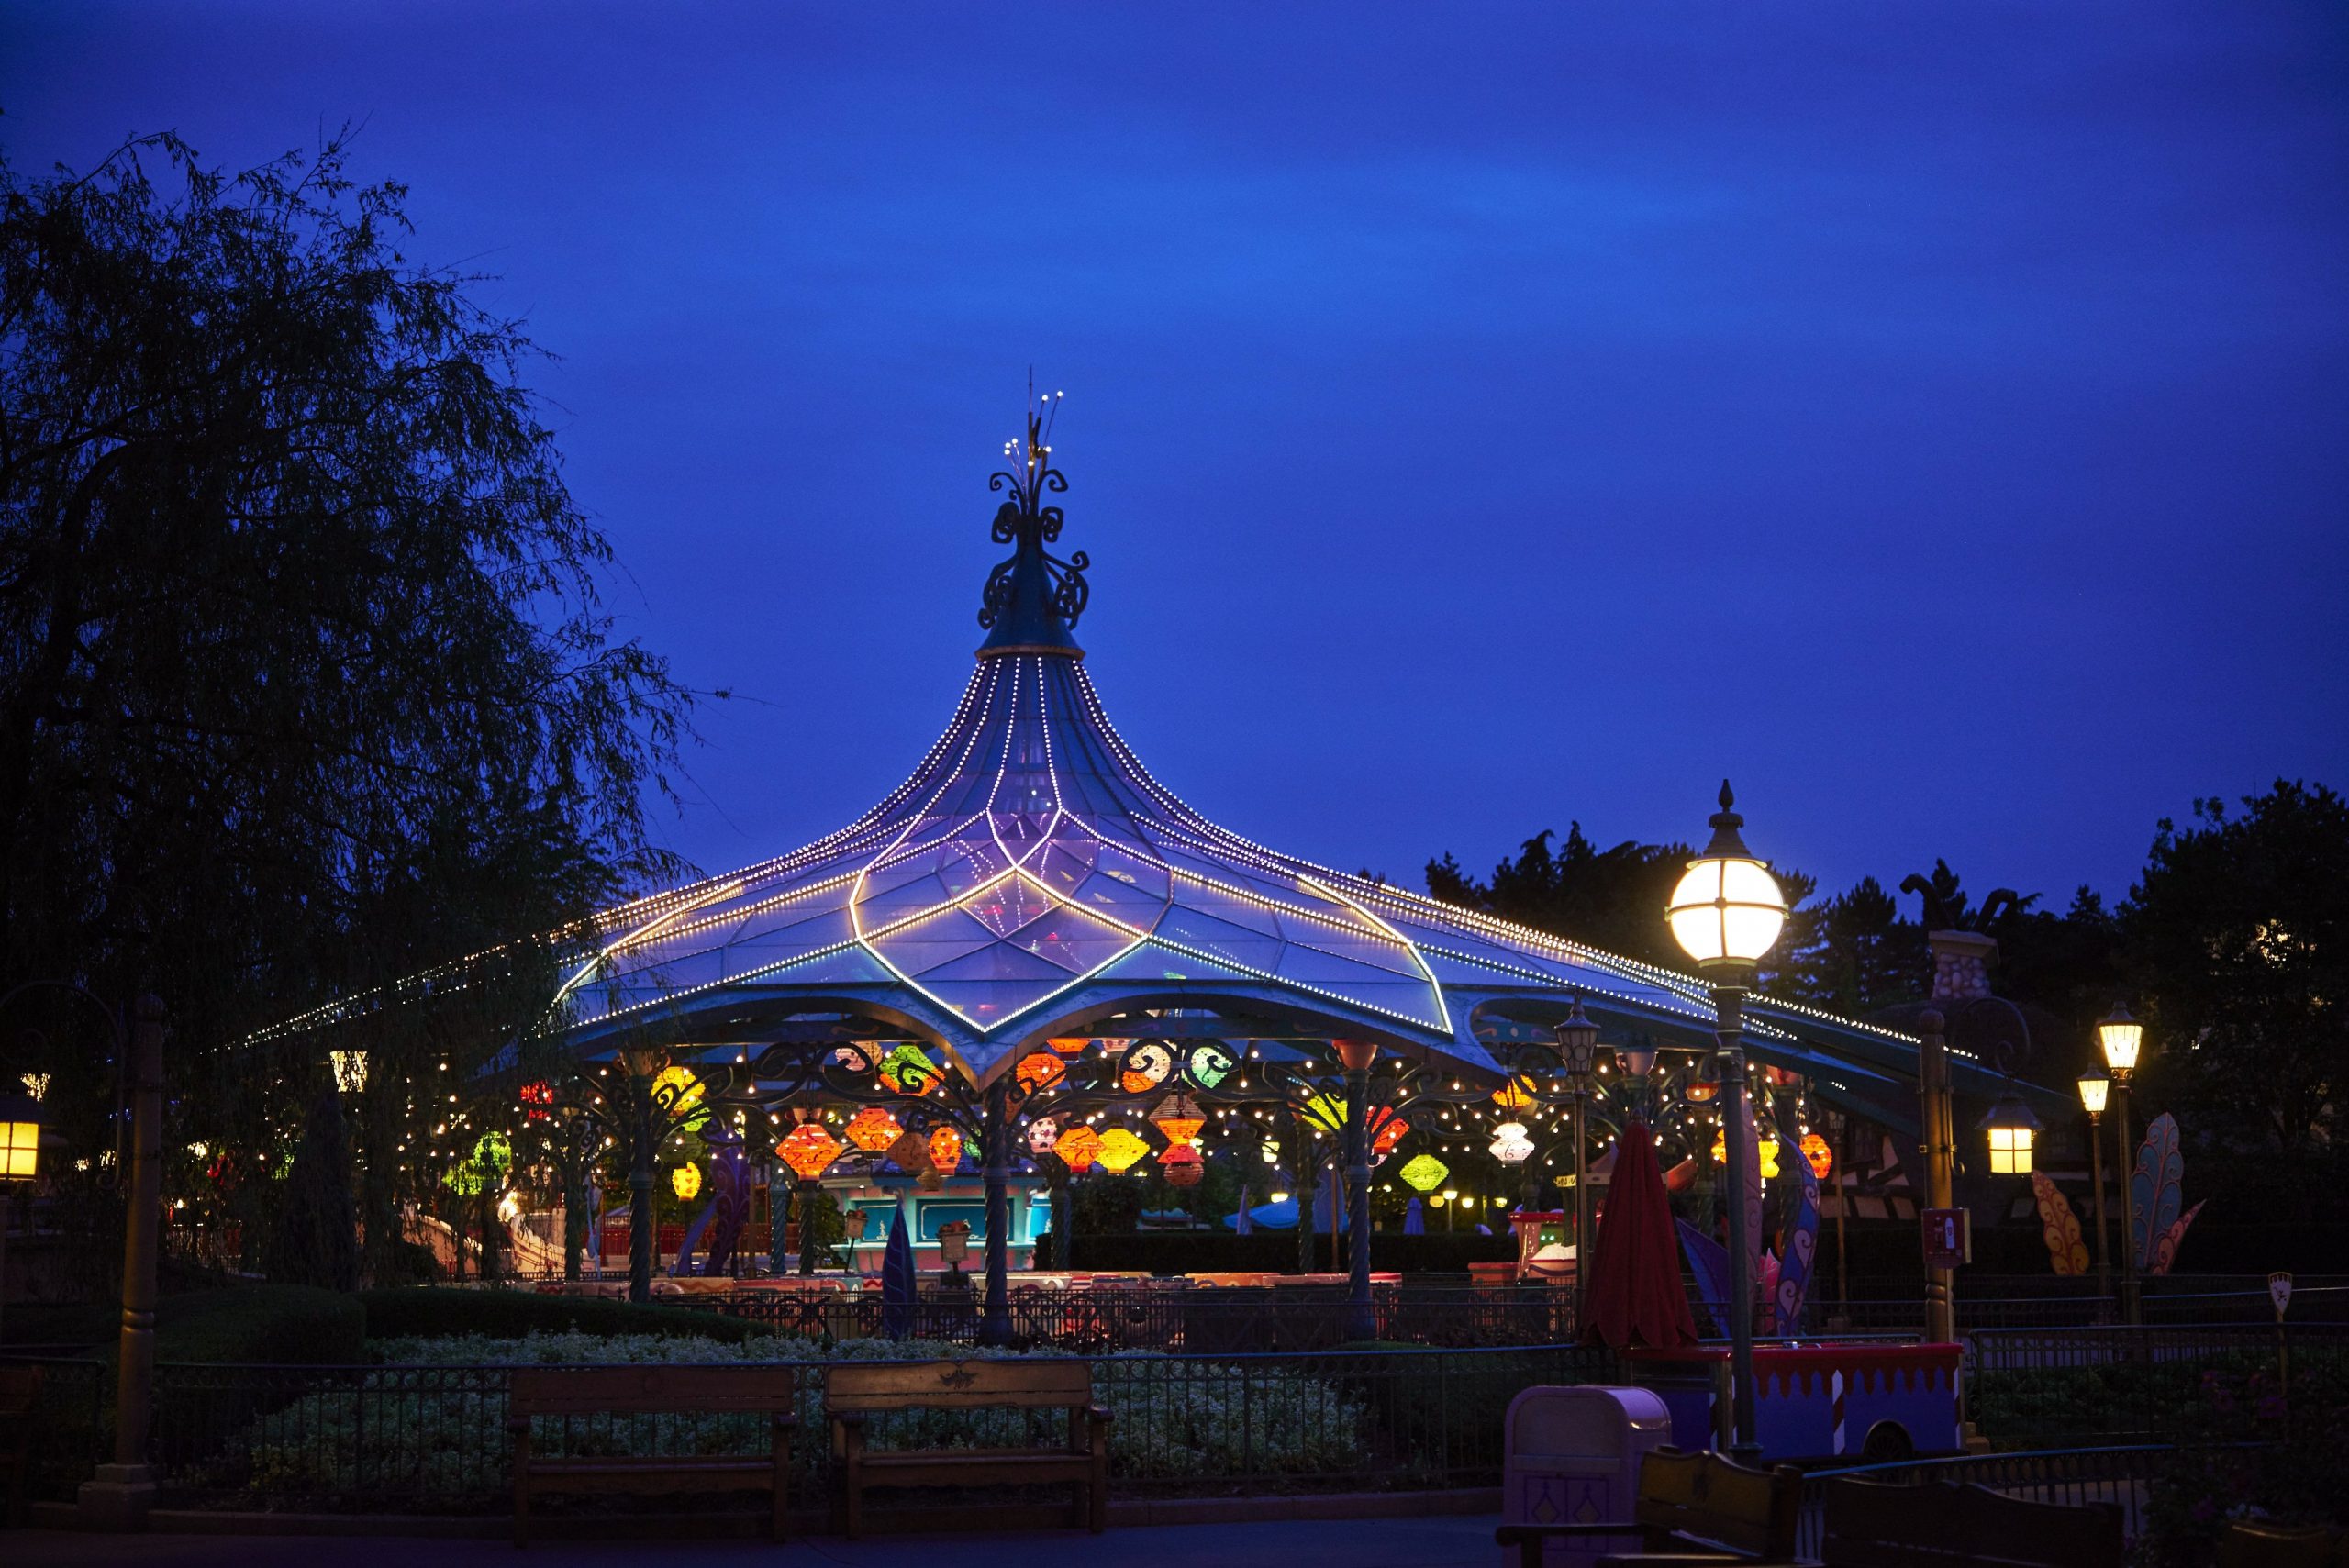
(1814, 1149)
(1387, 1130)
(536, 1099)
(1182, 1166)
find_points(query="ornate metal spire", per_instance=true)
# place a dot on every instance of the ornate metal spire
(1032, 601)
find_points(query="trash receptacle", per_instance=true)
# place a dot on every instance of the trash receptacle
(1572, 1456)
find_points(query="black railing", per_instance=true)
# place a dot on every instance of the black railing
(434, 1436)
(72, 1423)
(2119, 1383)
(2072, 1476)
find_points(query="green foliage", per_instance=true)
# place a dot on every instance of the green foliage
(2250, 1447)
(1611, 899)
(412, 1313)
(316, 1237)
(268, 1324)
(484, 1169)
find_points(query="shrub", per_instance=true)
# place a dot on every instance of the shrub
(510, 1313)
(285, 1324)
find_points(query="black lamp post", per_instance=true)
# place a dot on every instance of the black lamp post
(2095, 1087)
(2123, 1037)
(1726, 913)
(1577, 1048)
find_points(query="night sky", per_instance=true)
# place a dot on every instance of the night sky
(1480, 417)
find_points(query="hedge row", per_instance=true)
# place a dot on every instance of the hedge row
(509, 1313)
(1185, 1252)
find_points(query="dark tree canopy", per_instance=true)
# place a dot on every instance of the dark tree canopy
(306, 685)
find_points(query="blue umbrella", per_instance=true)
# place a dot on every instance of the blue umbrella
(897, 1280)
(1281, 1216)
(1241, 1222)
(1415, 1220)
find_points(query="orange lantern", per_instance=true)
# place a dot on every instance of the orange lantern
(1120, 1150)
(1177, 1119)
(1146, 1067)
(1070, 1046)
(1036, 1070)
(873, 1129)
(910, 1154)
(1078, 1148)
(946, 1150)
(1182, 1166)
(808, 1150)
(1814, 1149)
(1515, 1094)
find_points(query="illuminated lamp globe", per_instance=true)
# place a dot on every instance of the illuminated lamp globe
(1578, 1043)
(1728, 910)
(685, 1182)
(2121, 1037)
(1042, 1133)
(2096, 1093)
(1510, 1145)
(1425, 1173)
(2011, 1128)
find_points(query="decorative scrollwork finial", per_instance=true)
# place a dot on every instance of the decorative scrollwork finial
(1035, 597)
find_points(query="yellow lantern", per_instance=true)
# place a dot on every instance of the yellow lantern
(1767, 1147)
(1326, 1111)
(1822, 1158)
(687, 1089)
(685, 1182)
(873, 1129)
(809, 1151)
(1120, 1150)
(1515, 1094)
(945, 1149)
(1078, 1148)
(1425, 1171)
(2011, 1127)
(19, 1150)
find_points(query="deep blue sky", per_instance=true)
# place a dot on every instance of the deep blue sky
(1480, 417)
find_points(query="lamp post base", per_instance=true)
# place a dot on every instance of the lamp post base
(118, 1499)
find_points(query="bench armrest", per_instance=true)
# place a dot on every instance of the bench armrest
(849, 1418)
(518, 1424)
(785, 1421)
(1099, 1415)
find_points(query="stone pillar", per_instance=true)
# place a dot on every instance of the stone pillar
(121, 1494)
(1961, 964)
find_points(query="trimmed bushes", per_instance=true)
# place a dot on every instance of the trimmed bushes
(284, 1324)
(510, 1313)
(1192, 1252)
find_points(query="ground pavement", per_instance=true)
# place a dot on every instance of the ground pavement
(1439, 1542)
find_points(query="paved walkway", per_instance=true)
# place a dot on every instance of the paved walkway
(1441, 1542)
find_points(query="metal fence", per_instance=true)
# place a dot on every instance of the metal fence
(434, 1437)
(2116, 1384)
(2120, 1475)
(1218, 1320)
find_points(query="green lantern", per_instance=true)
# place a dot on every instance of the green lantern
(1425, 1173)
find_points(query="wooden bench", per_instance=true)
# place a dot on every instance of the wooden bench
(652, 1390)
(2262, 1545)
(1692, 1509)
(853, 1393)
(19, 1391)
(1947, 1524)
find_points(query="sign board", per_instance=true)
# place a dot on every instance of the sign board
(1949, 1237)
(2279, 1288)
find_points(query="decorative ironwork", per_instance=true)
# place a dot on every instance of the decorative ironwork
(1026, 523)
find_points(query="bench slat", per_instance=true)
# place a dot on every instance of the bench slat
(649, 1390)
(1042, 1384)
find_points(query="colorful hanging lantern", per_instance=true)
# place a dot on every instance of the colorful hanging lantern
(1145, 1067)
(1120, 1150)
(1515, 1094)
(1425, 1173)
(1822, 1159)
(685, 1181)
(1269, 1151)
(945, 1149)
(1179, 1119)
(873, 1129)
(536, 1097)
(1042, 1133)
(910, 1071)
(1327, 1112)
(1039, 1069)
(1387, 1130)
(808, 1150)
(1182, 1166)
(680, 1082)
(910, 1154)
(1071, 1046)
(1078, 1148)
(1765, 1147)
(1511, 1145)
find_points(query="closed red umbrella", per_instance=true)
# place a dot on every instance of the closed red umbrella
(1635, 1296)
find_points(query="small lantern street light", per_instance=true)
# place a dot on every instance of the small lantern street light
(2123, 1037)
(2011, 1128)
(2095, 1090)
(1578, 1047)
(19, 1161)
(1726, 914)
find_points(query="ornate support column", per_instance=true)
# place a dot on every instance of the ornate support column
(995, 1157)
(121, 1495)
(1584, 1251)
(1305, 1176)
(1933, 1083)
(2131, 1311)
(1728, 1020)
(643, 1225)
(1362, 1322)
